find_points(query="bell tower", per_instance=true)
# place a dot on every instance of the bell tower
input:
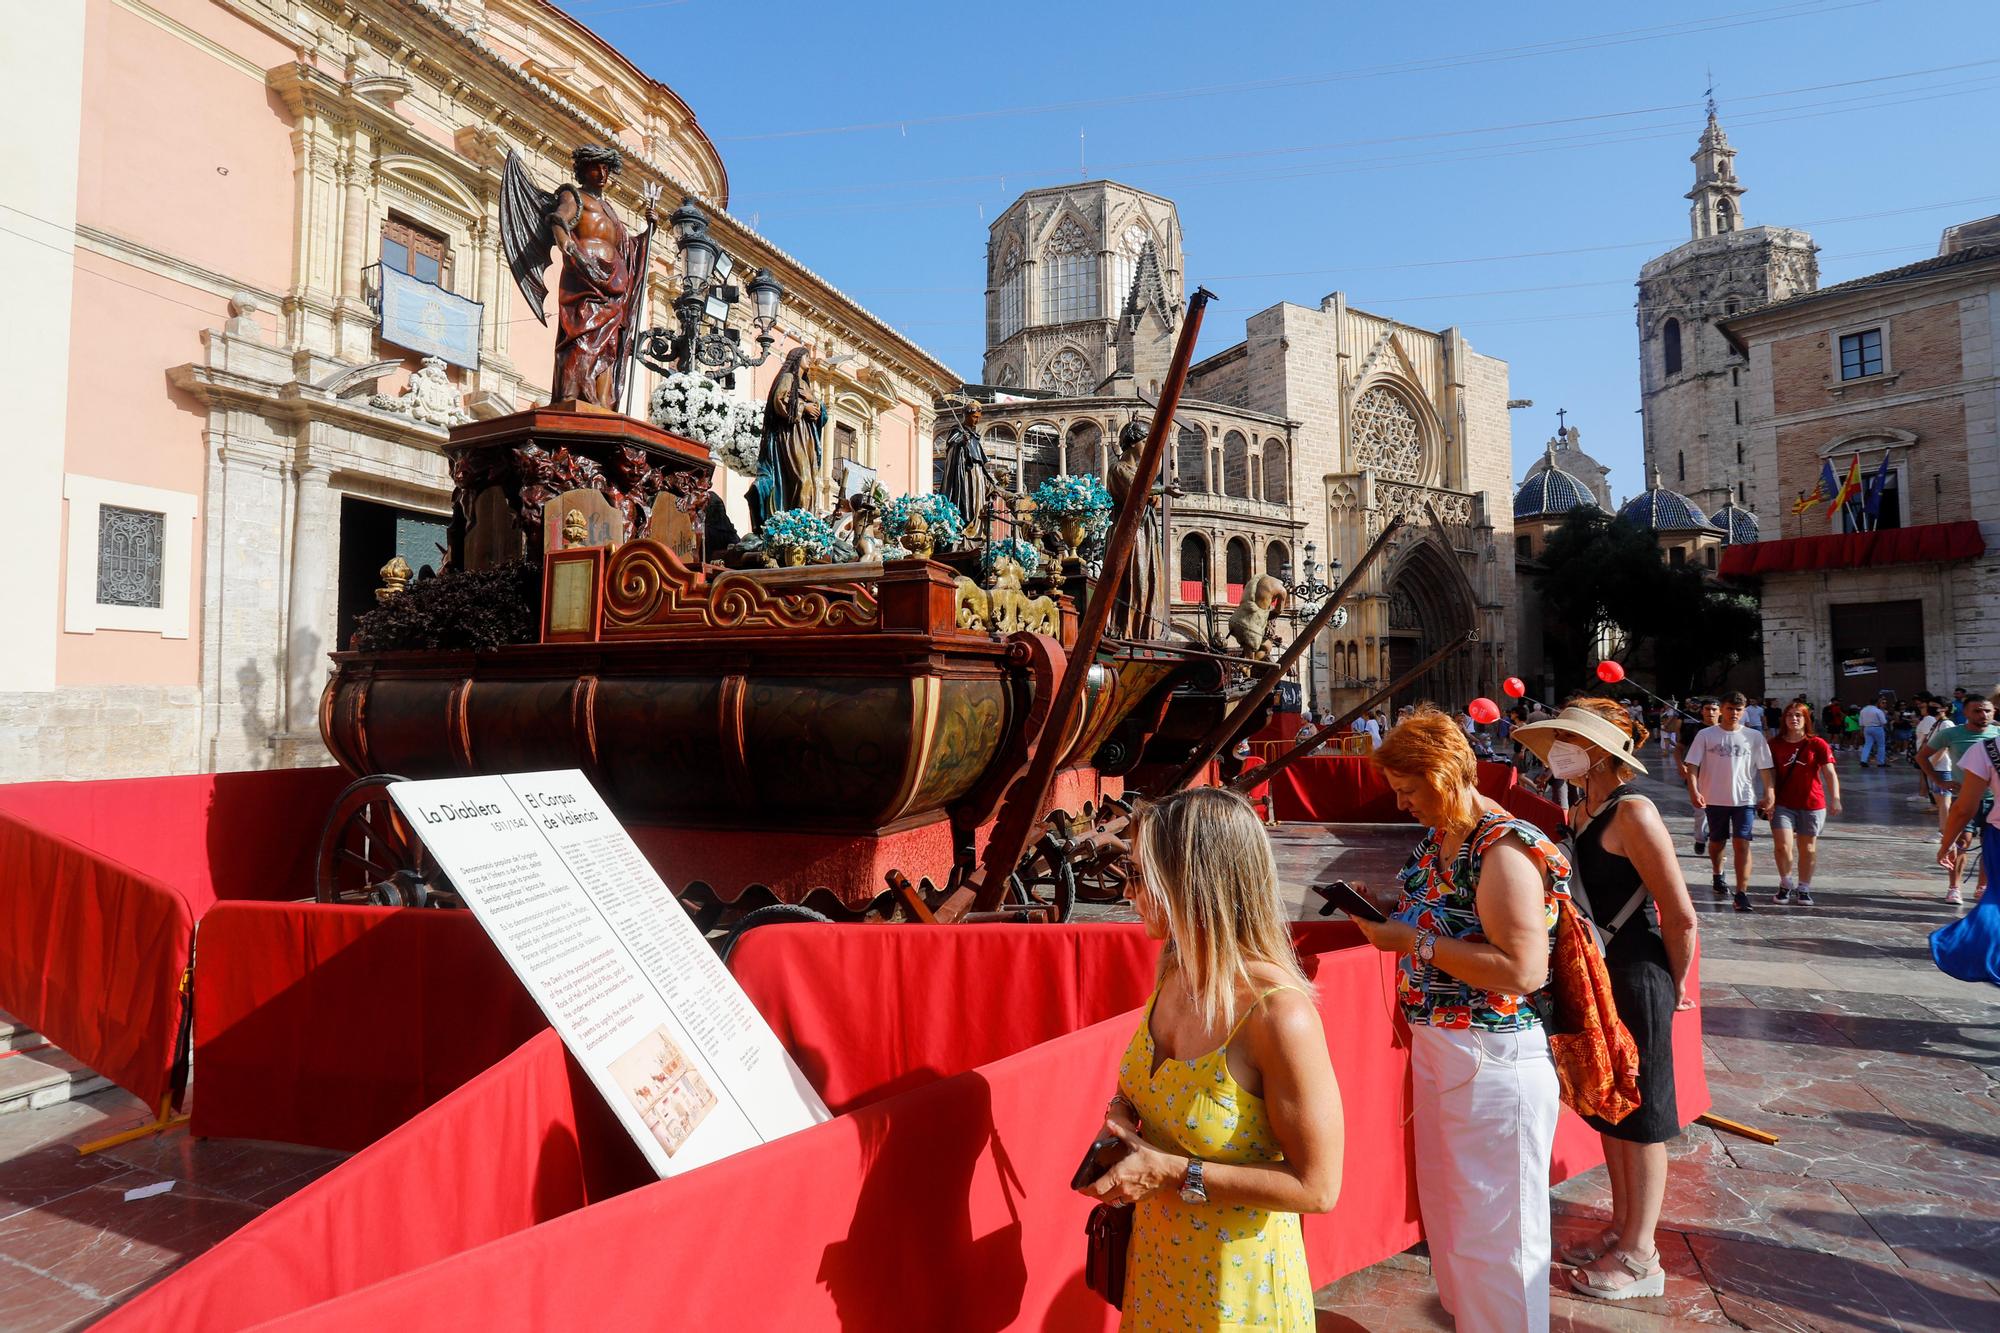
(1717, 208)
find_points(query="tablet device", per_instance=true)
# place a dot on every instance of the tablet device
(1340, 894)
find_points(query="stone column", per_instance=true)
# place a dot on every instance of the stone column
(307, 633)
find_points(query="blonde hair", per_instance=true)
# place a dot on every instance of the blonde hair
(1430, 748)
(1614, 712)
(1206, 859)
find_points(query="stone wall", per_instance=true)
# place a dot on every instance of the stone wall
(100, 731)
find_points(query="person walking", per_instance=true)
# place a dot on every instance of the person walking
(1807, 787)
(1731, 763)
(1474, 929)
(1874, 734)
(1227, 1102)
(1625, 864)
(1670, 732)
(1954, 743)
(1753, 716)
(1707, 714)
(1969, 948)
(1833, 720)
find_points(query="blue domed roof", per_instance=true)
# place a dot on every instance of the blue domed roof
(1661, 510)
(1738, 522)
(1551, 491)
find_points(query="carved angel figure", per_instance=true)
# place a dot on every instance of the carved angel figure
(603, 271)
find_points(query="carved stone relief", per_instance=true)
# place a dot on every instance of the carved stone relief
(1387, 437)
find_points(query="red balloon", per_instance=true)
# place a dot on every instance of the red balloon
(1483, 710)
(1610, 672)
(1512, 687)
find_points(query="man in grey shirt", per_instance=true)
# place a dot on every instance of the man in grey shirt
(1730, 763)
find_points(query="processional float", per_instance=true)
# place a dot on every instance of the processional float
(784, 740)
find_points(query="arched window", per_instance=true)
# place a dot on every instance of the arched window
(1277, 561)
(1277, 473)
(1085, 454)
(1387, 437)
(1236, 568)
(1068, 373)
(1040, 450)
(1191, 459)
(1236, 467)
(1069, 278)
(1010, 296)
(1670, 346)
(1003, 453)
(1194, 568)
(1725, 216)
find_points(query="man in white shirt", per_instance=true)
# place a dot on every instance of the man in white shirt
(1874, 734)
(1730, 763)
(1753, 717)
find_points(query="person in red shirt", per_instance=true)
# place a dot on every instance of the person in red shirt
(1802, 768)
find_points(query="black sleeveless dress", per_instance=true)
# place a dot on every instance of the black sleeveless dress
(1642, 983)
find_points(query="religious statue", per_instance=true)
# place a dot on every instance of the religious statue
(576, 529)
(1140, 609)
(788, 459)
(1250, 628)
(967, 479)
(603, 271)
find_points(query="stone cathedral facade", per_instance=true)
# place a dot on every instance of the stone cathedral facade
(1319, 425)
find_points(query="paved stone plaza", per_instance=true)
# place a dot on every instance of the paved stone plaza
(1879, 1208)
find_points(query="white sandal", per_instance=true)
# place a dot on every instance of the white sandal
(1647, 1279)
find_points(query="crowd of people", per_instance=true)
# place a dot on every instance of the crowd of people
(1227, 1102)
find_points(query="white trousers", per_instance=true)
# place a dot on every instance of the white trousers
(1486, 1105)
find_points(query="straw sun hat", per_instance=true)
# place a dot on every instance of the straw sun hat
(1578, 724)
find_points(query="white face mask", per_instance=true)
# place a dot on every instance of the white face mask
(1569, 762)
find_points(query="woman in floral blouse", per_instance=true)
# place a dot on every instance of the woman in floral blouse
(1474, 927)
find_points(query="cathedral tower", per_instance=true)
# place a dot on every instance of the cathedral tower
(1061, 265)
(1691, 381)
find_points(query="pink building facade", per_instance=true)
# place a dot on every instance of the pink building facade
(215, 445)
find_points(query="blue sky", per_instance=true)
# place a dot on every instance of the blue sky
(1503, 168)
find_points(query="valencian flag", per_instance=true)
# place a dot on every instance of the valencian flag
(1822, 490)
(1871, 501)
(1850, 486)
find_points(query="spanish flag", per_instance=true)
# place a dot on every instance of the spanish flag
(1850, 487)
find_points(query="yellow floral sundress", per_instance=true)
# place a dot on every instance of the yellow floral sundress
(1208, 1266)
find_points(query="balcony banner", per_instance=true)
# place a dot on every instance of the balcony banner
(675, 1047)
(424, 317)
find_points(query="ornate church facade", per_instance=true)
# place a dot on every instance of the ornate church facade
(1317, 427)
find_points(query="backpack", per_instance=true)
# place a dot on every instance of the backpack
(1596, 1060)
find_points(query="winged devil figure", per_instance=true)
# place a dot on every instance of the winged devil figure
(603, 271)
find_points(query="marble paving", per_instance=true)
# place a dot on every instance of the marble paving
(1878, 1210)
(1879, 1207)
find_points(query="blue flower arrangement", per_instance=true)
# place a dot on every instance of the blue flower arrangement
(1079, 496)
(796, 527)
(1025, 554)
(947, 525)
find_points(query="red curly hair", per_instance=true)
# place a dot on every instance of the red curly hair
(1430, 748)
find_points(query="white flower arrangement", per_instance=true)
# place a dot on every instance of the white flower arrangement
(700, 409)
(947, 525)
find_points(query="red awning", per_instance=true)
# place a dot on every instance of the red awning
(1928, 544)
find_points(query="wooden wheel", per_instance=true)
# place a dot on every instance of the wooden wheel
(369, 854)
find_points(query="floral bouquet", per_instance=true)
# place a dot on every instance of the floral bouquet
(1025, 554)
(700, 409)
(1074, 508)
(947, 525)
(798, 532)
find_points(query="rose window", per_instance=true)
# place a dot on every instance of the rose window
(1387, 439)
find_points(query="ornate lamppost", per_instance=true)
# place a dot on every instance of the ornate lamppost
(705, 341)
(1307, 596)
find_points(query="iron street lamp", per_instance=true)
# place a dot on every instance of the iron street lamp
(705, 340)
(1308, 596)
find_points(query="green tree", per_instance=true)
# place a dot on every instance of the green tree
(1602, 576)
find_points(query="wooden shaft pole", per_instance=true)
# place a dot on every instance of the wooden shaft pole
(1211, 744)
(1022, 810)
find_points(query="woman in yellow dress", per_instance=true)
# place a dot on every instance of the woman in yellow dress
(1226, 1097)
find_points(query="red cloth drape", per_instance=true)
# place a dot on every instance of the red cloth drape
(1927, 543)
(941, 1206)
(101, 884)
(331, 1025)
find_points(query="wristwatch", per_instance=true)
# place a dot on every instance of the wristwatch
(1427, 943)
(1192, 1188)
